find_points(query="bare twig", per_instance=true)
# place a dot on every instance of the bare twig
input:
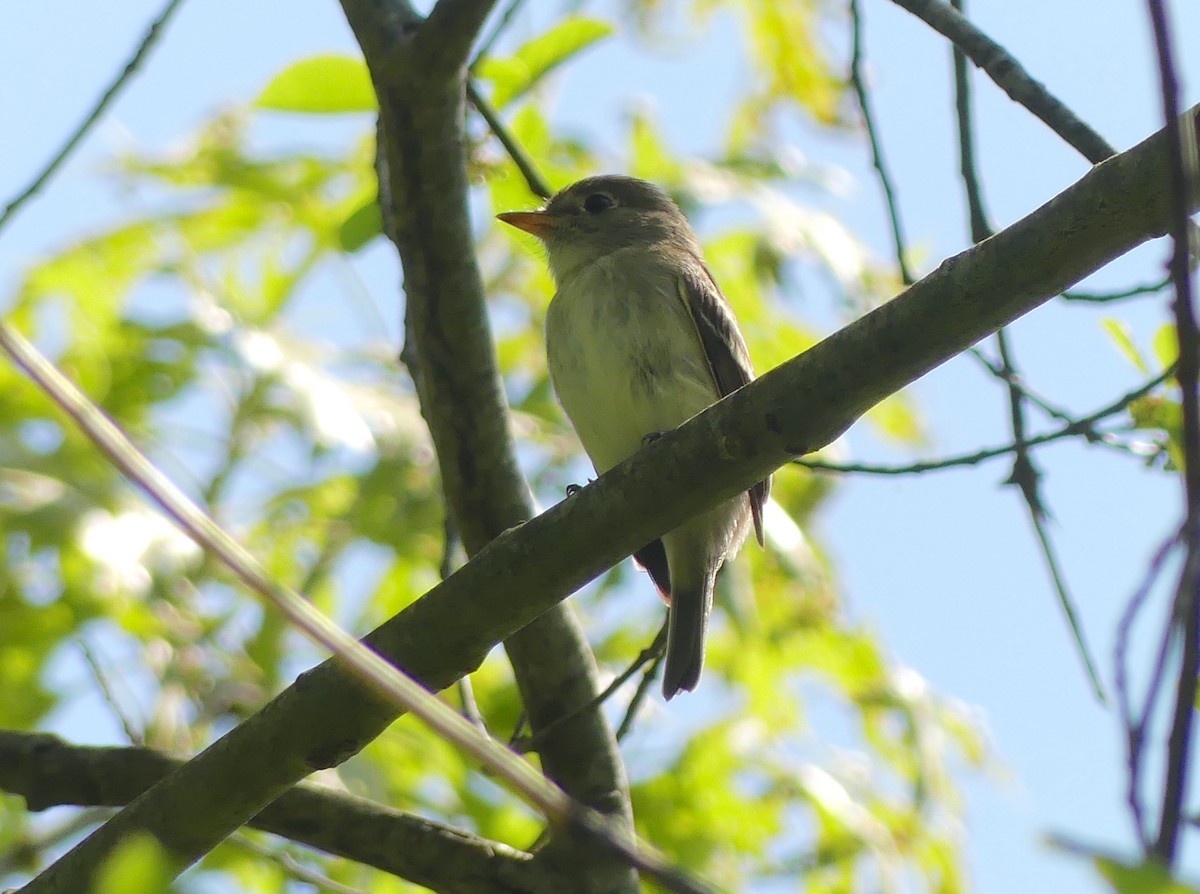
(292, 866)
(1135, 722)
(858, 81)
(1182, 174)
(515, 150)
(651, 653)
(1121, 295)
(132, 733)
(486, 45)
(153, 33)
(641, 694)
(1010, 77)
(1084, 426)
(1025, 474)
(981, 228)
(470, 708)
(1010, 377)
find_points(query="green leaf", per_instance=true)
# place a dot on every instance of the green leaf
(651, 158)
(896, 417)
(139, 863)
(1139, 878)
(1118, 330)
(320, 85)
(363, 225)
(514, 76)
(1166, 345)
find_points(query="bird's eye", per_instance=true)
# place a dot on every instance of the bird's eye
(598, 202)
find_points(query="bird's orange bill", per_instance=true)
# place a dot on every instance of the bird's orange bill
(535, 222)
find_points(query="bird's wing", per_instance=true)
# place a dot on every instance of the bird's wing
(725, 350)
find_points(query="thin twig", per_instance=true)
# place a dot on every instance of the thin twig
(651, 652)
(1068, 604)
(132, 733)
(1135, 727)
(877, 158)
(981, 227)
(292, 866)
(1010, 377)
(1182, 168)
(1025, 474)
(1027, 477)
(486, 45)
(1010, 77)
(153, 33)
(640, 695)
(1083, 426)
(1106, 297)
(470, 707)
(515, 150)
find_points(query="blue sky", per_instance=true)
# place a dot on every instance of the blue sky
(944, 566)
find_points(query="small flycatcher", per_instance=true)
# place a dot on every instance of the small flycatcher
(639, 340)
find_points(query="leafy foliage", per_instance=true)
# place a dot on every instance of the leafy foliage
(228, 335)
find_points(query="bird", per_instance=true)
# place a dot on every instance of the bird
(639, 339)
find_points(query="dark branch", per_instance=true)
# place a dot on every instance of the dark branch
(1010, 77)
(1182, 175)
(48, 772)
(452, 27)
(858, 81)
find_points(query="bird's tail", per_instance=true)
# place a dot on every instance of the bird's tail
(686, 630)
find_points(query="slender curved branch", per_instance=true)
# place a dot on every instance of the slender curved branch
(1010, 76)
(1119, 295)
(858, 81)
(515, 150)
(1084, 426)
(153, 33)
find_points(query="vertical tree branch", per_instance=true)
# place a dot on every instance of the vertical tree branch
(449, 349)
(1182, 174)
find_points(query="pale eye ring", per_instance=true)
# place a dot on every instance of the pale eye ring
(598, 202)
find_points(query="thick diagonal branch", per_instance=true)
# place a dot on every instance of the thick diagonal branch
(794, 409)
